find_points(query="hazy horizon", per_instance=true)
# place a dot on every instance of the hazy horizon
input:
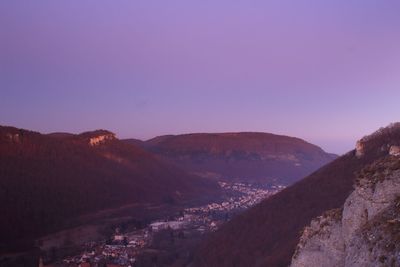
(323, 72)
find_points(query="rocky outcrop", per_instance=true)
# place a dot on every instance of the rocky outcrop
(10, 135)
(378, 241)
(14, 137)
(101, 139)
(391, 134)
(97, 137)
(321, 243)
(360, 149)
(367, 231)
(394, 151)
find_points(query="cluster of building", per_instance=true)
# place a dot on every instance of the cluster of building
(125, 247)
(248, 195)
(121, 251)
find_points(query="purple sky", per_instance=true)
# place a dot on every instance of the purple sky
(325, 71)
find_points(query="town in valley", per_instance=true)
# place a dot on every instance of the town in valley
(164, 237)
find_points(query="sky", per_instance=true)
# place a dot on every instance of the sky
(325, 71)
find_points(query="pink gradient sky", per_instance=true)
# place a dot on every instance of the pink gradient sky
(325, 71)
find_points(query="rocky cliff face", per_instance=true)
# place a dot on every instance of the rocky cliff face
(101, 139)
(373, 143)
(366, 232)
(97, 137)
(394, 151)
(322, 243)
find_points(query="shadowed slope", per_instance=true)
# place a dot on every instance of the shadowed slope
(45, 180)
(267, 234)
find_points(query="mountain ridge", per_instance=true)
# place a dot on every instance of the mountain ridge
(46, 179)
(267, 234)
(241, 156)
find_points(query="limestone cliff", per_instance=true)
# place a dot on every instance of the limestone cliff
(372, 143)
(321, 243)
(101, 139)
(366, 232)
(97, 137)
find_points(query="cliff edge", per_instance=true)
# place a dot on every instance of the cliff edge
(366, 231)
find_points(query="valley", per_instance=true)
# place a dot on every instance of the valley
(94, 197)
(199, 133)
(167, 239)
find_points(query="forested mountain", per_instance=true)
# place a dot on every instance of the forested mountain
(247, 156)
(45, 180)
